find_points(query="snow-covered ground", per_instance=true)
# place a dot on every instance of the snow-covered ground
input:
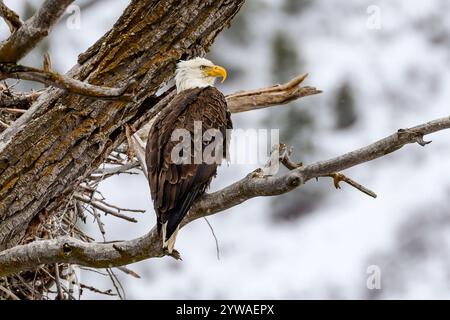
(400, 77)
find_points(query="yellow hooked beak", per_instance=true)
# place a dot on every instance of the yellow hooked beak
(216, 71)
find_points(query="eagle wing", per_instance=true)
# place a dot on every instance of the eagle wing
(174, 187)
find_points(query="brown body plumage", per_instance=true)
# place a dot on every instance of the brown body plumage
(174, 187)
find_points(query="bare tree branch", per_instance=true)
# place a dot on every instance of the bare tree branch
(254, 185)
(267, 97)
(11, 18)
(339, 177)
(30, 33)
(100, 205)
(102, 255)
(13, 110)
(63, 82)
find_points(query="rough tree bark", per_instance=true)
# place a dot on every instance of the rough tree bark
(64, 137)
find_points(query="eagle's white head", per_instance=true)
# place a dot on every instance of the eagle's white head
(197, 73)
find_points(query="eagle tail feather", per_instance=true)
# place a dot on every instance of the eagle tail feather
(169, 229)
(169, 243)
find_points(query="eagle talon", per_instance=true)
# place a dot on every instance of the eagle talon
(174, 254)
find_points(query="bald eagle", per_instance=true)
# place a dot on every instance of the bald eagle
(175, 186)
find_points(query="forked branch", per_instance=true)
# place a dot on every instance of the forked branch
(11, 18)
(28, 35)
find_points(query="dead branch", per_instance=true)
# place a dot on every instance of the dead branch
(254, 185)
(95, 290)
(117, 169)
(30, 33)
(11, 18)
(271, 96)
(102, 206)
(64, 82)
(12, 110)
(339, 177)
(103, 255)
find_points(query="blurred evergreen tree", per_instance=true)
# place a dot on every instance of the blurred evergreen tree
(294, 120)
(344, 106)
(296, 128)
(296, 6)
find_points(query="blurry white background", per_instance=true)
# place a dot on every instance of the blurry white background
(383, 65)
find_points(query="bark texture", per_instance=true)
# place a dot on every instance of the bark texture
(63, 137)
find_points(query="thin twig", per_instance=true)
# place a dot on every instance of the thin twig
(117, 169)
(215, 238)
(116, 282)
(95, 290)
(95, 204)
(13, 110)
(338, 177)
(120, 208)
(129, 272)
(99, 223)
(58, 283)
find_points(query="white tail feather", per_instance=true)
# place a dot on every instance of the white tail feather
(170, 243)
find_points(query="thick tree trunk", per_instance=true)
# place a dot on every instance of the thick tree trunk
(64, 137)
